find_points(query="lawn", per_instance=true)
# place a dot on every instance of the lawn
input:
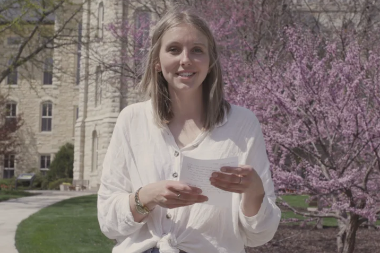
(298, 201)
(72, 226)
(67, 226)
(13, 194)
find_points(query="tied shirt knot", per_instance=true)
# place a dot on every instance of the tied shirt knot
(167, 244)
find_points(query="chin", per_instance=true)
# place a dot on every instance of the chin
(186, 87)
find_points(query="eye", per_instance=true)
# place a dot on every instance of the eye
(173, 50)
(198, 50)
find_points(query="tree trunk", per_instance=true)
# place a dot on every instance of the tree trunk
(346, 238)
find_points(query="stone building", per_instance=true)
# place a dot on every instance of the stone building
(44, 91)
(104, 90)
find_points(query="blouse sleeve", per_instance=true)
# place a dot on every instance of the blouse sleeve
(260, 228)
(114, 214)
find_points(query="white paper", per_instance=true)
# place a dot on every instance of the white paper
(196, 172)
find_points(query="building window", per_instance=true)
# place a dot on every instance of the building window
(11, 110)
(75, 117)
(94, 160)
(46, 116)
(13, 41)
(79, 53)
(44, 164)
(142, 26)
(98, 86)
(9, 166)
(48, 71)
(100, 27)
(12, 77)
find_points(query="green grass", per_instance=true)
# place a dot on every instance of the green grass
(67, 226)
(72, 226)
(298, 201)
(13, 194)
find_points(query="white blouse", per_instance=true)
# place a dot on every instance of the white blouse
(141, 153)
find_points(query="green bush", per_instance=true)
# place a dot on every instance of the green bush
(45, 184)
(63, 163)
(55, 184)
(8, 183)
(37, 182)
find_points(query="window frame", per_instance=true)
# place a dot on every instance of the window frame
(94, 151)
(100, 24)
(98, 86)
(11, 104)
(79, 54)
(12, 77)
(17, 40)
(48, 71)
(8, 168)
(140, 47)
(47, 162)
(48, 118)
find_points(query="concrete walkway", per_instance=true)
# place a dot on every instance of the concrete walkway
(13, 211)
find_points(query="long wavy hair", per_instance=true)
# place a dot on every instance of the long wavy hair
(154, 85)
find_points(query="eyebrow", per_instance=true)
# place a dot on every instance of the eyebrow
(196, 43)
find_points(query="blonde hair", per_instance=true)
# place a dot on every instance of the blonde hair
(154, 85)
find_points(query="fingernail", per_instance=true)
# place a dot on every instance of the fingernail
(199, 191)
(223, 169)
(214, 175)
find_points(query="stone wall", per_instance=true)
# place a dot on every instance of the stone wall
(30, 93)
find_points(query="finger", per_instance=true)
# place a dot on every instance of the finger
(185, 197)
(228, 178)
(182, 187)
(229, 188)
(173, 203)
(176, 205)
(242, 170)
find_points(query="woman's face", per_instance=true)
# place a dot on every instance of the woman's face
(184, 58)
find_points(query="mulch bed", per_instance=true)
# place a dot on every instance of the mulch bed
(296, 239)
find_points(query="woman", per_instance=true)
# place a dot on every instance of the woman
(141, 203)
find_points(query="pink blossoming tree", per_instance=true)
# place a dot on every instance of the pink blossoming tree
(317, 98)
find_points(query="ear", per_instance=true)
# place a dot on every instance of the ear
(158, 67)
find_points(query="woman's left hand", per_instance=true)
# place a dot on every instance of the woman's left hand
(242, 179)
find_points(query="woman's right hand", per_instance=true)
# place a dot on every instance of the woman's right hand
(170, 194)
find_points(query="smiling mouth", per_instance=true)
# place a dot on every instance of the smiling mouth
(188, 74)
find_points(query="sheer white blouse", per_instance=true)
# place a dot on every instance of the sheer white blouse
(141, 153)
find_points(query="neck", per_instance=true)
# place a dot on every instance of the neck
(187, 105)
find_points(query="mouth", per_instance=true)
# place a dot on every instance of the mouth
(185, 74)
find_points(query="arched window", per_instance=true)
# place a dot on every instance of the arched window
(94, 160)
(46, 116)
(100, 20)
(48, 71)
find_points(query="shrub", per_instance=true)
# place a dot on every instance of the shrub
(55, 184)
(45, 184)
(62, 165)
(7, 184)
(38, 179)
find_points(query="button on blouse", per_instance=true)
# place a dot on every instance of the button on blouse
(140, 154)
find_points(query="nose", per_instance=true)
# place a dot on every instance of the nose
(185, 58)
